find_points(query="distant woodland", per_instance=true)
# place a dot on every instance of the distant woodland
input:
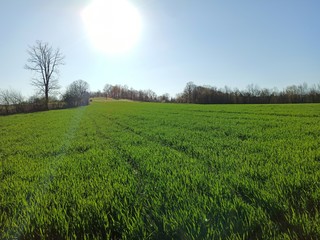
(211, 95)
(77, 94)
(252, 94)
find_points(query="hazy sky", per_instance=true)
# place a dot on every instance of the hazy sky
(272, 43)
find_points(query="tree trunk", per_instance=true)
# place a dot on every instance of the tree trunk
(47, 98)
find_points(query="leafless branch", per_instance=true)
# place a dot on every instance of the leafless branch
(44, 61)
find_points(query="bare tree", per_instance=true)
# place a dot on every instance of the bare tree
(11, 100)
(107, 90)
(164, 97)
(45, 62)
(77, 94)
(5, 99)
(189, 91)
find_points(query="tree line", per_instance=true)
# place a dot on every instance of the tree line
(12, 101)
(192, 93)
(301, 93)
(124, 92)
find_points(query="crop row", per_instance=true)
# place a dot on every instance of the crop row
(161, 171)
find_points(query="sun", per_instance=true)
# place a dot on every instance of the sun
(113, 26)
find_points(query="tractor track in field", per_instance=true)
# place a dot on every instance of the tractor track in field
(128, 158)
(164, 143)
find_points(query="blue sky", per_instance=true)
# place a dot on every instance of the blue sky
(228, 42)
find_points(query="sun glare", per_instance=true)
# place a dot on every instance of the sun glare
(112, 25)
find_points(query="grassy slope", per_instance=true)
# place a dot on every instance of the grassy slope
(161, 171)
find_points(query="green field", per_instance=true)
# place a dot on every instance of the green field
(128, 170)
